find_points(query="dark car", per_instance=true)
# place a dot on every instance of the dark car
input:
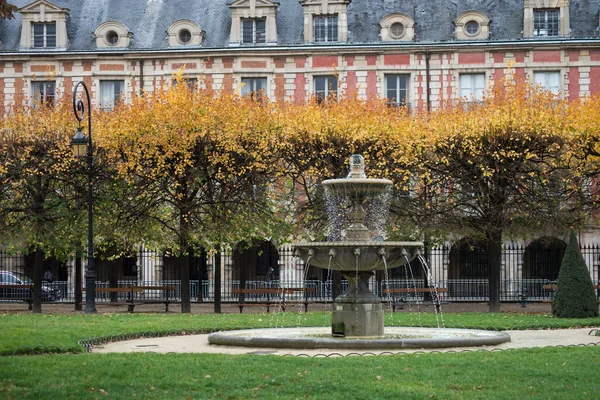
(16, 278)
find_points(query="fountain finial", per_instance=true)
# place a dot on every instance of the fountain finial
(357, 167)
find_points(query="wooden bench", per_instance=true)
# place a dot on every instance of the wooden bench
(414, 291)
(15, 296)
(131, 301)
(164, 300)
(268, 292)
(554, 286)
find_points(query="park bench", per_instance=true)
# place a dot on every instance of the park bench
(552, 288)
(131, 301)
(414, 291)
(17, 292)
(270, 297)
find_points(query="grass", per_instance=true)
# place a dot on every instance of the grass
(526, 373)
(26, 330)
(533, 373)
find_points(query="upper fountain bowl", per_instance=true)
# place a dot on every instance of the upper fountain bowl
(358, 256)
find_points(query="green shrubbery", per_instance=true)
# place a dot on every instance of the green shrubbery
(575, 296)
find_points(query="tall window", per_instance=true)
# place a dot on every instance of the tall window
(44, 34)
(546, 22)
(44, 92)
(254, 87)
(396, 87)
(326, 28)
(325, 86)
(253, 31)
(110, 93)
(472, 86)
(549, 80)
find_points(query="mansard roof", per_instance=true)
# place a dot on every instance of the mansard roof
(149, 20)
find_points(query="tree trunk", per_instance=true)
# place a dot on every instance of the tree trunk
(38, 277)
(217, 280)
(184, 267)
(78, 291)
(494, 252)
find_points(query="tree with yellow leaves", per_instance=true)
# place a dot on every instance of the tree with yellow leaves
(200, 165)
(496, 169)
(35, 168)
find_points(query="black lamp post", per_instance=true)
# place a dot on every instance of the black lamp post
(82, 146)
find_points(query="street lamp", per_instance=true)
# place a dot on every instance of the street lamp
(82, 147)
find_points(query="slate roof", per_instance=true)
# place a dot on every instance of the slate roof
(149, 20)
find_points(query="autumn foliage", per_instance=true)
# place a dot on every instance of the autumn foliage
(181, 168)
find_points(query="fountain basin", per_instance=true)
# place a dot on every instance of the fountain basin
(343, 255)
(395, 338)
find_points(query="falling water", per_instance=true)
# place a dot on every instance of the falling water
(439, 316)
(386, 279)
(408, 270)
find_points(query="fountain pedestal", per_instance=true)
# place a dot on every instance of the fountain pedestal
(358, 312)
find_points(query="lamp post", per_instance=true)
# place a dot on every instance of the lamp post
(82, 147)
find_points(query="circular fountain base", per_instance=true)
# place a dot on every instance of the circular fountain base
(394, 338)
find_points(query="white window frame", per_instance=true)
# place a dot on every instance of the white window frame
(545, 32)
(257, 36)
(396, 99)
(254, 87)
(548, 80)
(39, 93)
(327, 32)
(472, 85)
(328, 90)
(109, 100)
(45, 36)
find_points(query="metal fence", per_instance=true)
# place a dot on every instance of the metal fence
(460, 269)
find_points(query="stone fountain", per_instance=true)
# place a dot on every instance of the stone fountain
(357, 208)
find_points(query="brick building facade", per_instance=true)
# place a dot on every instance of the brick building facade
(408, 51)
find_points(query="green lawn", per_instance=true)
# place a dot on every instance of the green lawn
(527, 373)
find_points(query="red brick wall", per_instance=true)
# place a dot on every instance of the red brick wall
(573, 83)
(595, 80)
(351, 83)
(396, 59)
(371, 85)
(324, 61)
(471, 58)
(228, 83)
(279, 88)
(254, 64)
(546, 56)
(300, 92)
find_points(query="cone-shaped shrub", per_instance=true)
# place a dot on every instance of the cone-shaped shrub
(575, 296)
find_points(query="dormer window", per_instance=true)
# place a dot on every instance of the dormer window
(397, 27)
(112, 34)
(325, 20)
(44, 34)
(546, 18)
(546, 22)
(185, 32)
(472, 25)
(253, 30)
(253, 22)
(43, 26)
(326, 28)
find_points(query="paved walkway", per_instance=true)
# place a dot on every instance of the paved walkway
(199, 344)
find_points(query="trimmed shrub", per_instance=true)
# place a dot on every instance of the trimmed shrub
(575, 296)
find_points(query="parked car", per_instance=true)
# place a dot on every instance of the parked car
(16, 278)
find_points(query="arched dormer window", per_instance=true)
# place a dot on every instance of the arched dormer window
(184, 33)
(397, 27)
(472, 25)
(112, 34)
(44, 26)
